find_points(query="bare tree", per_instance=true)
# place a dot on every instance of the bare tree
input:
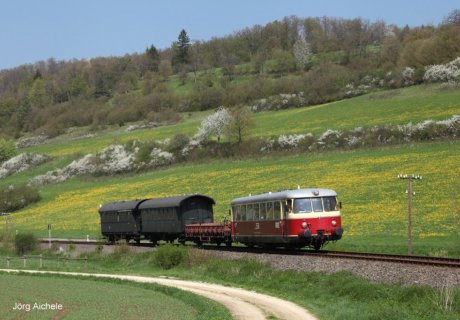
(240, 123)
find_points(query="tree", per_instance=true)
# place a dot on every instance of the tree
(153, 58)
(302, 52)
(453, 18)
(165, 69)
(214, 124)
(7, 149)
(240, 123)
(37, 94)
(181, 54)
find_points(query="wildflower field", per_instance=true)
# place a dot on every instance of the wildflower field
(374, 200)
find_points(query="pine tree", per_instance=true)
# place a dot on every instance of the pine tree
(181, 49)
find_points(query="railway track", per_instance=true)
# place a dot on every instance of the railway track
(419, 260)
(393, 258)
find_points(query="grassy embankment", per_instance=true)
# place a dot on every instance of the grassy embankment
(336, 296)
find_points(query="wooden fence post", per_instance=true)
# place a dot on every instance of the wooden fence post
(25, 258)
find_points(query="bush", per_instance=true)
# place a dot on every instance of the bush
(14, 198)
(169, 256)
(7, 149)
(25, 242)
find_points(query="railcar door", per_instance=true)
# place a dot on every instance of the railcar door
(271, 223)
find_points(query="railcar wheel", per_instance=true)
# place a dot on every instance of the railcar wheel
(317, 246)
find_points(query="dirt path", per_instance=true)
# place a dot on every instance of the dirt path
(242, 304)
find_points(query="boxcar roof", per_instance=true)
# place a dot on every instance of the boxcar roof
(286, 194)
(121, 205)
(175, 201)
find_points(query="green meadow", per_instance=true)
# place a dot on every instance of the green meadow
(90, 298)
(375, 203)
(374, 200)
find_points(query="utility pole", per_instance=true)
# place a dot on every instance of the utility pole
(410, 193)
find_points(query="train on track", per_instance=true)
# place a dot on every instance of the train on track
(291, 218)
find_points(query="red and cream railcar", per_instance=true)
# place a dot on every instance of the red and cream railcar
(290, 218)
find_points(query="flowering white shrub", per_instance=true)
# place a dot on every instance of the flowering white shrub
(280, 101)
(330, 138)
(20, 163)
(302, 52)
(407, 76)
(32, 141)
(160, 157)
(268, 145)
(113, 159)
(77, 167)
(290, 141)
(142, 126)
(215, 123)
(116, 159)
(443, 72)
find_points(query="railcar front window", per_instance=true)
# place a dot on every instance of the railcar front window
(317, 204)
(302, 205)
(330, 204)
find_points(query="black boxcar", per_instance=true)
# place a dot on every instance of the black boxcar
(165, 218)
(121, 220)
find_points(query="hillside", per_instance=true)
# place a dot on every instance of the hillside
(375, 205)
(320, 59)
(401, 106)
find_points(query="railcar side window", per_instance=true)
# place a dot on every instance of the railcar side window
(236, 212)
(317, 204)
(256, 211)
(277, 211)
(269, 211)
(263, 211)
(302, 205)
(330, 203)
(243, 212)
(250, 212)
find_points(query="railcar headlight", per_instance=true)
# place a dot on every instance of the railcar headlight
(334, 223)
(304, 224)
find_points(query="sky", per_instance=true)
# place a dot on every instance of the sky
(34, 30)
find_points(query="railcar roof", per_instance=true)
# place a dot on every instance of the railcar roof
(121, 205)
(286, 194)
(169, 202)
